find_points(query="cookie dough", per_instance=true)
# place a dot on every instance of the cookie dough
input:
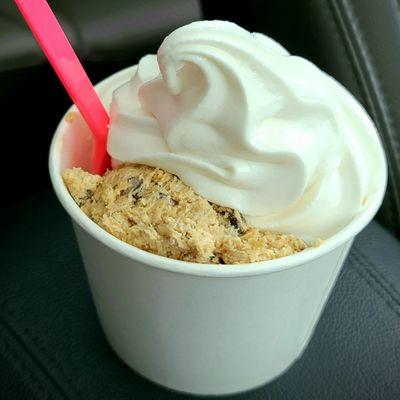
(154, 210)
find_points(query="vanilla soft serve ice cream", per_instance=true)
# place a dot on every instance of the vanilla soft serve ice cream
(249, 127)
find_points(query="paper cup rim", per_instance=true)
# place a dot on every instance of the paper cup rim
(189, 268)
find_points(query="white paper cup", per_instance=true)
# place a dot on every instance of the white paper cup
(197, 328)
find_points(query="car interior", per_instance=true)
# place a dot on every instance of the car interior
(51, 343)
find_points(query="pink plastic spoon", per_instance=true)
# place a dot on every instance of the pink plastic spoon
(62, 57)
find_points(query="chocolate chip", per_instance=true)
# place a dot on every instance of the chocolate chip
(136, 196)
(214, 258)
(135, 182)
(233, 221)
(88, 195)
(232, 217)
(162, 195)
(134, 189)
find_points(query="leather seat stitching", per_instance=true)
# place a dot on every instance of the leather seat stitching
(374, 283)
(374, 270)
(16, 360)
(372, 68)
(34, 381)
(396, 5)
(377, 289)
(344, 50)
(50, 359)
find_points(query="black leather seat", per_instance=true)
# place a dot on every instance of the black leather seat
(51, 344)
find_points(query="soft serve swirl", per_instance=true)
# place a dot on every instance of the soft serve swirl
(249, 127)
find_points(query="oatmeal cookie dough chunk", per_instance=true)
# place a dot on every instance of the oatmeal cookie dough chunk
(81, 185)
(154, 210)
